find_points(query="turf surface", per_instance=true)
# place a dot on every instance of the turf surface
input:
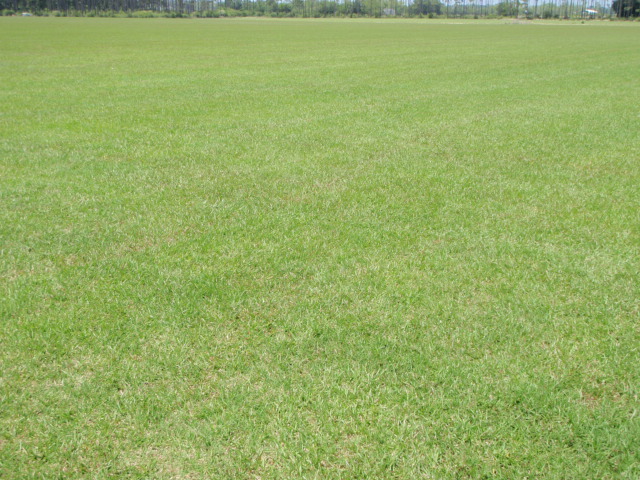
(319, 249)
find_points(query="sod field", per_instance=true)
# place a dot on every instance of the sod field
(345, 249)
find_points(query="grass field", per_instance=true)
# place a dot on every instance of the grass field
(319, 249)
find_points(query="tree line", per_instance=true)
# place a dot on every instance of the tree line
(562, 9)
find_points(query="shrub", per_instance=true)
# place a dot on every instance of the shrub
(142, 14)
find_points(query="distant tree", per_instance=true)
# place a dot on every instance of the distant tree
(507, 9)
(626, 8)
(425, 7)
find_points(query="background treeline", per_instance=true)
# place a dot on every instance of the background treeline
(564, 9)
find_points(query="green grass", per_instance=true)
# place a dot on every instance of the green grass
(319, 249)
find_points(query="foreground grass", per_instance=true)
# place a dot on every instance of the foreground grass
(294, 249)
